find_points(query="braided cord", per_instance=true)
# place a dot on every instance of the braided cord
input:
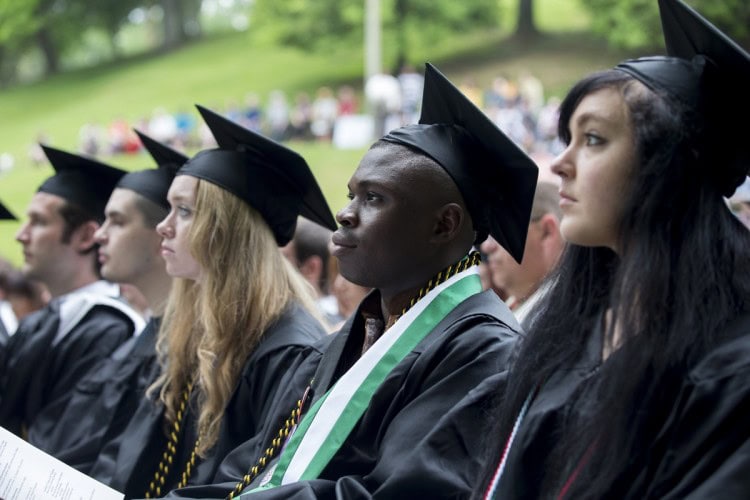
(472, 259)
(271, 451)
(158, 483)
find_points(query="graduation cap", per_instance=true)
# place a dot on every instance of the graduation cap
(708, 72)
(80, 180)
(496, 178)
(154, 183)
(6, 214)
(271, 178)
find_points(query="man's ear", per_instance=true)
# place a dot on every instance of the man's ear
(448, 222)
(82, 238)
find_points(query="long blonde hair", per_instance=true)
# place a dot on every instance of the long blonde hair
(210, 329)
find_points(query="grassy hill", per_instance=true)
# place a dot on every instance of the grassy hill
(225, 68)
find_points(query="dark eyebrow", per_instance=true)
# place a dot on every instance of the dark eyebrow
(583, 118)
(114, 213)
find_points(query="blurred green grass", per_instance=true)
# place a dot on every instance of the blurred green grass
(225, 68)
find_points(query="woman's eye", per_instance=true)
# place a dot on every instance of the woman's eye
(183, 211)
(593, 140)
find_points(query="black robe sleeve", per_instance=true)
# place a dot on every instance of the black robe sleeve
(101, 405)
(131, 466)
(707, 436)
(40, 373)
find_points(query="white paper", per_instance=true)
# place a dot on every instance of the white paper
(28, 473)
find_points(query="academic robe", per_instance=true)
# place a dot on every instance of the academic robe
(391, 451)
(101, 405)
(131, 467)
(701, 449)
(42, 365)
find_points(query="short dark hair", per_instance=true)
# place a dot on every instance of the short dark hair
(74, 216)
(152, 213)
(311, 239)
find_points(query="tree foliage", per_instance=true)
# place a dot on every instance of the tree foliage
(18, 21)
(635, 24)
(321, 23)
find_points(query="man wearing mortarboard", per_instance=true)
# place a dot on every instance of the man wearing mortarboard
(85, 321)
(421, 199)
(75, 430)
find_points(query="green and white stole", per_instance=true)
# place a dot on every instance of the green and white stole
(331, 419)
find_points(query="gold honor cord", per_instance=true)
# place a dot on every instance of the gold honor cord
(472, 259)
(272, 450)
(156, 485)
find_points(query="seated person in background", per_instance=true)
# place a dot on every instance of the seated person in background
(24, 295)
(8, 320)
(308, 252)
(544, 245)
(103, 402)
(85, 321)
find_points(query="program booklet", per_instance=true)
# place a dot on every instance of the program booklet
(28, 473)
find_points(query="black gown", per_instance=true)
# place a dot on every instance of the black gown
(700, 449)
(40, 369)
(391, 452)
(130, 467)
(101, 405)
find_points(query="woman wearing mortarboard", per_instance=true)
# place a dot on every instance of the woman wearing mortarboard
(239, 319)
(634, 380)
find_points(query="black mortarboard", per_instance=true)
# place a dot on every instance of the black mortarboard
(708, 72)
(6, 214)
(80, 180)
(496, 178)
(271, 178)
(154, 183)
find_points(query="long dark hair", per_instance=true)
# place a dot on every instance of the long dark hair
(682, 273)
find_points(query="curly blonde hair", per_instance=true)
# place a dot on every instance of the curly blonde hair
(209, 329)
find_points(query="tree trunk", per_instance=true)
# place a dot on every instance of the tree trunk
(191, 25)
(402, 49)
(173, 24)
(526, 27)
(49, 50)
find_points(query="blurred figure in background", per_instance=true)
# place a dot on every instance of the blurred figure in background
(308, 251)
(24, 295)
(544, 244)
(740, 203)
(85, 321)
(103, 402)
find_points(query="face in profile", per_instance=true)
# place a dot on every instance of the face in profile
(175, 229)
(44, 252)
(386, 225)
(128, 249)
(595, 169)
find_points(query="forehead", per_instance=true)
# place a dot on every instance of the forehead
(388, 166)
(604, 106)
(183, 187)
(45, 204)
(121, 201)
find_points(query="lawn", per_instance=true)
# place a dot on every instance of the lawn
(224, 69)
